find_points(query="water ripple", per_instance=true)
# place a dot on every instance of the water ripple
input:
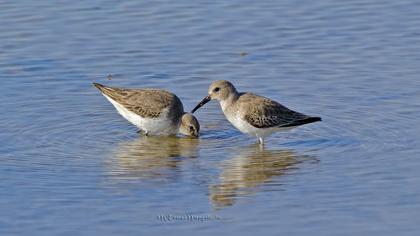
(69, 161)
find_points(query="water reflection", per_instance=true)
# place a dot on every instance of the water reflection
(152, 157)
(252, 167)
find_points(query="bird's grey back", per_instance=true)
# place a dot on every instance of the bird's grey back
(147, 103)
(262, 112)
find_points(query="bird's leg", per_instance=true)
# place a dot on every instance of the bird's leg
(261, 141)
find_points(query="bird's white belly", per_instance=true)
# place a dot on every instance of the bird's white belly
(153, 126)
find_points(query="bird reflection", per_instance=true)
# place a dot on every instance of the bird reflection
(251, 168)
(152, 157)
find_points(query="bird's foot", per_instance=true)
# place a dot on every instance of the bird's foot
(142, 132)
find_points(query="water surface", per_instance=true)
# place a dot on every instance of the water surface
(71, 165)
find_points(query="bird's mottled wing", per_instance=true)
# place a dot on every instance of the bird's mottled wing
(147, 103)
(262, 112)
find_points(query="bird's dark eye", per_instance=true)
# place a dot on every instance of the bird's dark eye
(191, 128)
(216, 89)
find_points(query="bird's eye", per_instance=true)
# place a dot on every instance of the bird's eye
(191, 128)
(216, 89)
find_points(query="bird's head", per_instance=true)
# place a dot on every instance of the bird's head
(189, 125)
(219, 90)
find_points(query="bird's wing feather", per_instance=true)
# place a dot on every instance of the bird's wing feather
(147, 103)
(262, 112)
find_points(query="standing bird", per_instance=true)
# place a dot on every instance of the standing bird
(153, 111)
(252, 114)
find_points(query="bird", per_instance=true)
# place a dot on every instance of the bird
(153, 111)
(253, 114)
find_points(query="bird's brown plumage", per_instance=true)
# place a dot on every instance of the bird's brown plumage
(147, 103)
(262, 112)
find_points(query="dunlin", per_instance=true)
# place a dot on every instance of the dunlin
(153, 111)
(252, 114)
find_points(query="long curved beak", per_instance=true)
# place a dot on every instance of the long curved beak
(204, 101)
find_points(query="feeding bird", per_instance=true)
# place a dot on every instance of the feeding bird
(153, 111)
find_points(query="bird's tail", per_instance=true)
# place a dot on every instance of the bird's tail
(108, 91)
(302, 121)
(101, 87)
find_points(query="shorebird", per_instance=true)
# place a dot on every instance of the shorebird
(253, 114)
(153, 111)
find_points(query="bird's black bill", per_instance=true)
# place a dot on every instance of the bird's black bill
(204, 101)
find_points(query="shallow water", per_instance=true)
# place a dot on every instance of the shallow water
(71, 165)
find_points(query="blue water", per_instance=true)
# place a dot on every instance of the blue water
(70, 165)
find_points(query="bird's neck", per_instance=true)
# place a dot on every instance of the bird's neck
(229, 101)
